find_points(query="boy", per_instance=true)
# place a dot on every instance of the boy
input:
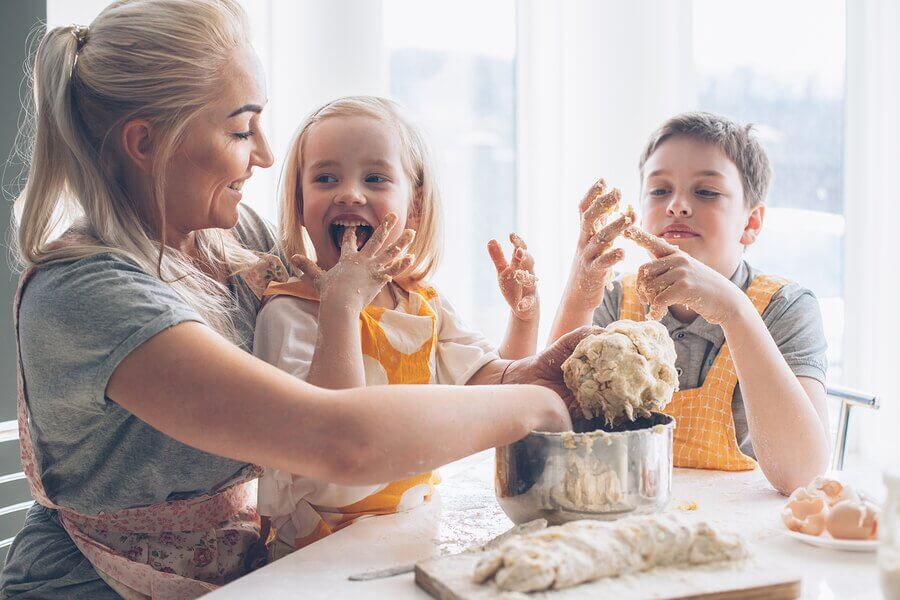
(751, 348)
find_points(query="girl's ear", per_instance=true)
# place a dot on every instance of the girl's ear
(754, 224)
(414, 214)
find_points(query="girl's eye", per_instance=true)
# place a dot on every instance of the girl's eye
(325, 179)
(375, 179)
(243, 135)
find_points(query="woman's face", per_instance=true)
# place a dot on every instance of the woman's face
(220, 149)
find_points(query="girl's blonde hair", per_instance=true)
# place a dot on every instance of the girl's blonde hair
(418, 167)
(159, 60)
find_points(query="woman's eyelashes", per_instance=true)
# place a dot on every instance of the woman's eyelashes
(243, 135)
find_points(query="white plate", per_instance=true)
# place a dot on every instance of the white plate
(826, 541)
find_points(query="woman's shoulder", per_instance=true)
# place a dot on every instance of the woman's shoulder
(254, 232)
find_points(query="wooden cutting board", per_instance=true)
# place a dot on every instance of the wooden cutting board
(450, 578)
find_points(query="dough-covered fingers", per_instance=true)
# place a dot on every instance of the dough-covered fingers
(605, 261)
(307, 268)
(657, 246)
(598, 210)
(597, 189)
(603, 239)
(398, 248)
(517, 241)
(496, 254)
(396, 268)
(380, 235)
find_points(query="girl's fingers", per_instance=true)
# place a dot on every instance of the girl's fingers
(525, 279)
(517, 241)
(380, 235)
(399, 248)
(348, 241)
(518, 258)
(596, 190)
(396, 268)
(308, 268)
(657, 311)
(526, 304)
(496, 254)
(657, 246)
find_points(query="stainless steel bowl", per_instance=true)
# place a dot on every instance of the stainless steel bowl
(590, 474)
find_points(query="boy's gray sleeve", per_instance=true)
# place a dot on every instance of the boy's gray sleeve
(608, 311)
(795, 321)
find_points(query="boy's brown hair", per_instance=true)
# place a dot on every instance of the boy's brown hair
(737, 142)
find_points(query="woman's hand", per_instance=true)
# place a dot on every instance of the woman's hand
(516, 278)
(359, 274)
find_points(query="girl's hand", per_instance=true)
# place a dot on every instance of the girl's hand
(359, 274)
(675, 277)
(594, 257)
(516, 278)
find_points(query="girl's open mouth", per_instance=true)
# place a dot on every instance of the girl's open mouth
(363, 232)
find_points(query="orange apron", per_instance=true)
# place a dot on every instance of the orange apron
(398, 348)
(173, 550)
(704, 429)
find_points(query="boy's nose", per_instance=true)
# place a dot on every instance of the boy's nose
(678, 207)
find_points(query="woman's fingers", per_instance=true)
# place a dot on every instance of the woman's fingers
(381, 234)
(657, 246)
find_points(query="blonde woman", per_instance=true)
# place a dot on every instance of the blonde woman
(142, 413)
(359, 198)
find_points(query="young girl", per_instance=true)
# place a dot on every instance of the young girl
(360, 198)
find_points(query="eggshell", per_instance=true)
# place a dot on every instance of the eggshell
(805, 512)
(852, 520)
(833, 490)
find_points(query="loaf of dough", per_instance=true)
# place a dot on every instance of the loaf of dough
(625, 372)
(582, 551)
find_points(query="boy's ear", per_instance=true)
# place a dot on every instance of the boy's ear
(754, 224)
(136, 141)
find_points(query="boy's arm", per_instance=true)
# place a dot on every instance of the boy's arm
(786, 415)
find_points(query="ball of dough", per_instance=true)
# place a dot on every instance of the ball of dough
(626, 371)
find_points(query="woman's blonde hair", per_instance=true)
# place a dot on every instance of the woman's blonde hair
(159, 60)
(417, 164)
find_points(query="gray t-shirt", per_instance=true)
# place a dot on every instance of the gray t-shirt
(77, 322)
(793, 318)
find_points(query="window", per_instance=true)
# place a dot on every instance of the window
(460, 88)
(784, 71)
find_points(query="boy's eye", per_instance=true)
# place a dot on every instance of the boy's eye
(243, 135)
(325, 179)
(708, 193)
(375, 179)
(659, 192)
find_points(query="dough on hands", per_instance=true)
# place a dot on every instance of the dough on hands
(626, 371)
(582, 551)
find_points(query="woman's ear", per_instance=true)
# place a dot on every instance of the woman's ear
(754, 224)
(137, 143)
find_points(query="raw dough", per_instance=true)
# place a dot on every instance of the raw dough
(626, 371)
(582, 551)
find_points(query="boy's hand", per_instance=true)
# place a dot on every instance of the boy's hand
(516, 278)
(359, 274)
(675, 277)
(594, 258)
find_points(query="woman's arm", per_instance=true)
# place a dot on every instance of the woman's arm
(195, 386)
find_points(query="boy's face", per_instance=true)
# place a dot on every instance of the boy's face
(692, 197)
(352, 175)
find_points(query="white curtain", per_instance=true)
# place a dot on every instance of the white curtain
(595, 78)
(872, 210)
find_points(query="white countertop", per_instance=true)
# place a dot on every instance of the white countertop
(466, 514)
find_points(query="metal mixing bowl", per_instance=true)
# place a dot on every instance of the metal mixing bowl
(588, 474)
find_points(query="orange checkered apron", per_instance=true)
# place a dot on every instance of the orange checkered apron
(704, 430)
(398, 348)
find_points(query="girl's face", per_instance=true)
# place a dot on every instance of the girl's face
(352, 175)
